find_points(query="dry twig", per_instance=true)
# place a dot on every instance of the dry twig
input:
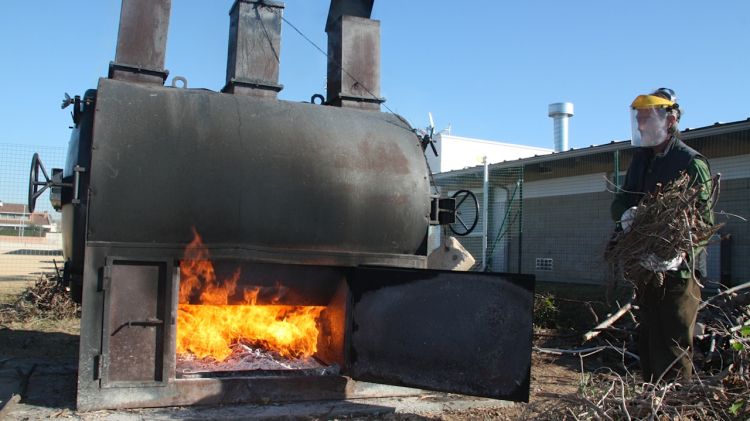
(667, 223)
(46, 299)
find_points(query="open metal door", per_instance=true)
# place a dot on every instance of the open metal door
(457, 332)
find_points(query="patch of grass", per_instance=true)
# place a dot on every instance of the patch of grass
(70, 326)
(545, 311)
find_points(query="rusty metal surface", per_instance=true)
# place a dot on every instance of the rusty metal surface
(74, 215)
(338, 8)
(142, 41)
(250, 173)
(354, 63)
(458, 332)
(254, 48)
(333, 324)
(227, 391)
(135, 317)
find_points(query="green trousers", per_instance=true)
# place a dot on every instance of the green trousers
(665, 335)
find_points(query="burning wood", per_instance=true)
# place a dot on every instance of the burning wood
(667, 223)
(207, 323)
(246, 357)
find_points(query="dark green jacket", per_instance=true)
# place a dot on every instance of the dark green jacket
(647, 169)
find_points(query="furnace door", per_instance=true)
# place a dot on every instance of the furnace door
(457, 332)
(138, 325)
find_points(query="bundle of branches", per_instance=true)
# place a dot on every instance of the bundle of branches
(47, 299)
(667, 223)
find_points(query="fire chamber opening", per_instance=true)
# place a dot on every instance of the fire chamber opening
(228, 322)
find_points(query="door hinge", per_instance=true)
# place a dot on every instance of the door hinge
(98, 366)
(105, 279)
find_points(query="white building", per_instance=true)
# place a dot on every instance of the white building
(455, 153)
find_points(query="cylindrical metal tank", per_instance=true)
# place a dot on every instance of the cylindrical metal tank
(250, 172)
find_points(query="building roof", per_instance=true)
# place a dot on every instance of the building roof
(12, 208)
(687, 134)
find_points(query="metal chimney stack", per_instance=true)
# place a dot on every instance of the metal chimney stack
(353, 55)
(142, 42)
(254, 48)
(561, 113)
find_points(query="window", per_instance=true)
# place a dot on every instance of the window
(544, 263)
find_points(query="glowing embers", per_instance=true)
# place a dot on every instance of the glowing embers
(222, 327)
(247, 358)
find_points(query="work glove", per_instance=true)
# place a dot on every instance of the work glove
(627, 218)
(656, 264)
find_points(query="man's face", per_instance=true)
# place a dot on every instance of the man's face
(653, 126)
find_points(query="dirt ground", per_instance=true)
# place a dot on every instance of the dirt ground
(38, 358)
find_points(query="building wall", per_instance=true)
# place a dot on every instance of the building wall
(573, 231)
(567, 220)
(456, 153)
(735, 199)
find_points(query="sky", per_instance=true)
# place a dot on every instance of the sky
(489, 69)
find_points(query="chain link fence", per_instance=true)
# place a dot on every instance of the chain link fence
(492, 213)
(30, 243)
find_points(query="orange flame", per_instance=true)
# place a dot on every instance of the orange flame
(209, 328)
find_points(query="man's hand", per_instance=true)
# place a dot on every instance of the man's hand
(655, 264)
(627, 218)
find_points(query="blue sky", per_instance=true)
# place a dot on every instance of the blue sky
(489, 68)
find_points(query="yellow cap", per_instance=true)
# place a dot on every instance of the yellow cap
(650, 101)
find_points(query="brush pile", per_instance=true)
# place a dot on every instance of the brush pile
(667, 223)
(719, 389)
(46, 299)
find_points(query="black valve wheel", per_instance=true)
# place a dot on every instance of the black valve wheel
(467, 213)
(34, 184)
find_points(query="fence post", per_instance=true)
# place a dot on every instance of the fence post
(485, 211)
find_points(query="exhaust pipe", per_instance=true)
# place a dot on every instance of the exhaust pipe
(142, 42)
(353, 55)
(254, 48)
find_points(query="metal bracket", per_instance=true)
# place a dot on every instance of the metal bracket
(442, 210)
(357, 98)
(103, 283)
(77, 170)
(252, 84)
(113, 67)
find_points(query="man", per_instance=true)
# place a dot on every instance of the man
(668, 309)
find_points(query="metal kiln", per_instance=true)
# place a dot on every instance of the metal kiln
(331, 201)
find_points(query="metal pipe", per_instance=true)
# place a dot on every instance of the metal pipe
(485, 211)
(561, 113)
(616, 177)
(520, 220)
(254, 48)
(142, 42)
(353, 55)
